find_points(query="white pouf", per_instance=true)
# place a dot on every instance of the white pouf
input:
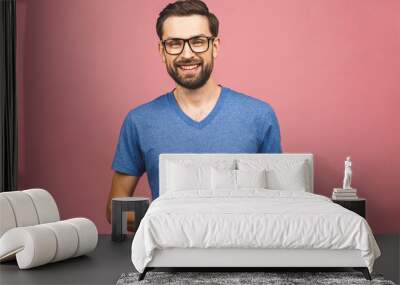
(52, 242)
(31, 233)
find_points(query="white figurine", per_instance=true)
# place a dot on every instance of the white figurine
(347, 174)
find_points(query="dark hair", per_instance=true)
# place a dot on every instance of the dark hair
(187, 8)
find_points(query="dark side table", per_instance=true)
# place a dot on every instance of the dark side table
(358, 206)
(120, 207)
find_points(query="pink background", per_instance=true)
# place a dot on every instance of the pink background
(330, 69)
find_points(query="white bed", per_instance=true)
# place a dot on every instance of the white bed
(193, 225)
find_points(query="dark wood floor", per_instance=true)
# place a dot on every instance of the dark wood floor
(111, 259)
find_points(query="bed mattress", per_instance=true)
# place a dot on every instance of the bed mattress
(252, 219)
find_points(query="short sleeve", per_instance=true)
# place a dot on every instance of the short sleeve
(128, 157)
(271, 138)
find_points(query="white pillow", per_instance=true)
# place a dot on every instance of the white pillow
(223, 179)
(285, 174)
(229, 179)
(185, 177)
(290, 179)
(188, 174)
(251, 178)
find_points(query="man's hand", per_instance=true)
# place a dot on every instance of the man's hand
(122, 186)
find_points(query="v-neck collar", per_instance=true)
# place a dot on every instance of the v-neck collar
(189, 120)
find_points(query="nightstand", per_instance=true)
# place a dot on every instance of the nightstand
(120, 207)
(358, 206)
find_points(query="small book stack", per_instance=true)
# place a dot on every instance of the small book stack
(344, 194)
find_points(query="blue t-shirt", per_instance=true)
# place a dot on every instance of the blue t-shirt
(238, 123)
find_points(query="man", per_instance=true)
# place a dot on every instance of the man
(198, 115)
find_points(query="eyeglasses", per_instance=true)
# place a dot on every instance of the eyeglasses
(197, 44)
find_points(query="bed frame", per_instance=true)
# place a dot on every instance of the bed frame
(238, 258)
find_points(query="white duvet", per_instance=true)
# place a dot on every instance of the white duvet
(250, 218)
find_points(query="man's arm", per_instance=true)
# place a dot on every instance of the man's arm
(271, 140)
(122, 185)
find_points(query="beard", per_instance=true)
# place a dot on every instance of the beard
(192, 82)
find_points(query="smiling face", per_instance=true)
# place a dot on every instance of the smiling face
(189, 69)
